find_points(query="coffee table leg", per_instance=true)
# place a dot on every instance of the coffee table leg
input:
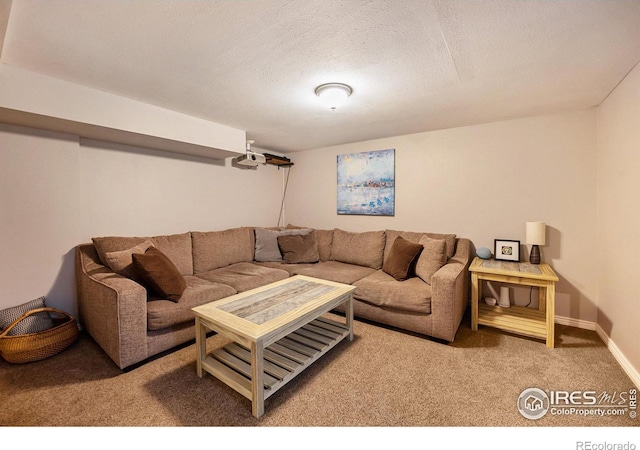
(201, 346)
(257, 385)
(349, 316)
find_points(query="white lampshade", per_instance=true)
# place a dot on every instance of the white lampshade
(333, 94)
(536, 233)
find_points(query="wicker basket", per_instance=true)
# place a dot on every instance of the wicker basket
(30, 347)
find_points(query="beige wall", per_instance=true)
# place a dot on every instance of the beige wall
(619, 217)
(482, 182)
(57, 191)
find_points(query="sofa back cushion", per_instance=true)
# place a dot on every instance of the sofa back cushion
(177, 247)
(364, 249)
(324, 239)
(412, 236)
(215, 249)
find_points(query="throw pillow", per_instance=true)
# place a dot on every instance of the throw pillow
(402, 258)
(267, 243)
(432, 257)
(297, 249)
(121, 262)
(160, 274)
(32, 324)
(106, 244)
(413, 236)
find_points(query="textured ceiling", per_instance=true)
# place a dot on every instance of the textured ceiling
(413, 65)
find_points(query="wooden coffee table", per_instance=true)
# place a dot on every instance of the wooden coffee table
(277, 331)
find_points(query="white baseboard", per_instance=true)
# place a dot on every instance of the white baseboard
(619, 356)
(577, 323)
(631, 371)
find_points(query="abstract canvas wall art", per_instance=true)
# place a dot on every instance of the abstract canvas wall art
(366, 183)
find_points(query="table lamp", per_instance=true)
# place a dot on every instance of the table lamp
(535, 236)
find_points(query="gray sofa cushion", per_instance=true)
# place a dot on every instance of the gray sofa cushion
(215, 249)
(364, 249)
(162, 313)
(245, 276)
(381, 289)
(266, 248)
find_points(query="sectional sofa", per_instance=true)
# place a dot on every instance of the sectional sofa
(135, 294)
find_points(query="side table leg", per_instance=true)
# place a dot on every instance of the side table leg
(257, 384)
(542, 299)
(475, 292)
(551, 308)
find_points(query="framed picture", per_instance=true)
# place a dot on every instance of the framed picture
(366, 183)
(506, 250)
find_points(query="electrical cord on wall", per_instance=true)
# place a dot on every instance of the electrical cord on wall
(284, 195)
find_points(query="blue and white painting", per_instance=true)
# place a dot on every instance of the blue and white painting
(366, 183)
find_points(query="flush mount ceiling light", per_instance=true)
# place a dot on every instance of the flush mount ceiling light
(333, 94)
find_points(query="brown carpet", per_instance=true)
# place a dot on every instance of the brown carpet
(384, 378)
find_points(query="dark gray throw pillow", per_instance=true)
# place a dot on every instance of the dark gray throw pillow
(32, 324)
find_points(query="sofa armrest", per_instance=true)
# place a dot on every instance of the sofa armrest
(450, 292)
(112, 308)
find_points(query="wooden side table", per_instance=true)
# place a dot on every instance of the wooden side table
(537, 323)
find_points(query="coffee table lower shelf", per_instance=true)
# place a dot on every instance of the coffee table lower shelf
(283, 360)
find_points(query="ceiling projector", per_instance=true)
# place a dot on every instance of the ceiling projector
(251, 159)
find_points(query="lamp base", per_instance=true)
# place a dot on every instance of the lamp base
(534, 257)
